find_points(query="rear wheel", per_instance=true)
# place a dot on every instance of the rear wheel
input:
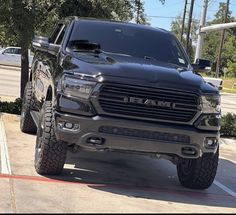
(50, 154)
(198, 173)
(27, 124)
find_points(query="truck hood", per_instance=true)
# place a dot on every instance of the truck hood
(128, 69)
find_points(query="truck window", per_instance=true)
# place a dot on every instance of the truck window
(60, 36)
(56, 33)
(132, 40)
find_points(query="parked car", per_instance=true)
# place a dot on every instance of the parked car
(217, 82)
(11, 56)
(114, 86)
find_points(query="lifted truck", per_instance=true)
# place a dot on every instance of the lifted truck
(114, 86)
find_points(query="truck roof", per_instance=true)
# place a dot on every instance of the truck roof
(141, 26)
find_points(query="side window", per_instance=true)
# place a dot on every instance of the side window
(9, 51)
(56, 33)
(17, 51)
(60, 36)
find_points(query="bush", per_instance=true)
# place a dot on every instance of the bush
(11, 107)
(228, 125)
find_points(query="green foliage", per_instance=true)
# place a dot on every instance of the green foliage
(20, 20)
(212, 41)
(228, 125)
(11, 107)
(25, 18)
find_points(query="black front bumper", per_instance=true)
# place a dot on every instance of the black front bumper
(133, 136)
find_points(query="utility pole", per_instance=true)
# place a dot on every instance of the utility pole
(222, 41)
(189, 25)
(138, 10)
(183, 21)
(200, 38)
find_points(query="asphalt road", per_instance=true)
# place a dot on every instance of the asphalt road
(9, 81)
(228, 103)
(10, 86)
(106, 182)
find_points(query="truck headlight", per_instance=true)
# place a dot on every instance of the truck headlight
(211, 104)
(76, 87)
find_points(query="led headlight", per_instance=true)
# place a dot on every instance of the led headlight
(76, 87)
(211, 104)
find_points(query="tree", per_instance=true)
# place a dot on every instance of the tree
(22, 19)
(212, 39)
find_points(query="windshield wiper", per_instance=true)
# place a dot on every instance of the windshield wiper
(176, 66)
(84, 46)
(115, 53)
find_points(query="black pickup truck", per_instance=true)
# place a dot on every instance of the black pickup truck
(113, 86)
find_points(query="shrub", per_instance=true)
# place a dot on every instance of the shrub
(228, 125)
(11, 107)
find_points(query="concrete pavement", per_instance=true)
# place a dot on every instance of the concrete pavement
(108, 182)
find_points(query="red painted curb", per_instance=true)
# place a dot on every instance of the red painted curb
(130, 187)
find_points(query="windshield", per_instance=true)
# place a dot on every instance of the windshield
(131, 40)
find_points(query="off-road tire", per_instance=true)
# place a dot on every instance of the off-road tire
(198, 173)
(27, 124)
(50, 154)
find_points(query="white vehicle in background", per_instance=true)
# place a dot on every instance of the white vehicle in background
(218, 82)
(11, 56)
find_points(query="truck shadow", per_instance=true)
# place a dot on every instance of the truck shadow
(142, 177)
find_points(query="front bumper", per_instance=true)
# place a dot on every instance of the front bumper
(133, 136)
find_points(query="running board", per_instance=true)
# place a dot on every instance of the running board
(35, 115)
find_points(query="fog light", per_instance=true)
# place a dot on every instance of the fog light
(211, 142)
(69, 125)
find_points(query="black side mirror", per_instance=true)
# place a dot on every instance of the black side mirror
(44, 44)
(202, 66)
(40, 42)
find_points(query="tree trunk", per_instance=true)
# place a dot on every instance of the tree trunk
(24, 69)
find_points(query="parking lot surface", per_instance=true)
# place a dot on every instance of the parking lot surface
(106, 182)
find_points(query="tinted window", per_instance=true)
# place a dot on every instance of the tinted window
(9, 51)
(17, 51)
(131, 40)
(55, 34)
(60, 37)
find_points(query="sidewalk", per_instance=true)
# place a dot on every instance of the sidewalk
(4, 98)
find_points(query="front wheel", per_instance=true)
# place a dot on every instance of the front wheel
(198, 173)
(50, 154)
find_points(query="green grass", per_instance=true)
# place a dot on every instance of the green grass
(228, 85)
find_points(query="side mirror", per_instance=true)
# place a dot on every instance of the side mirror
(44, 44)
(40, 42)
(202, 66)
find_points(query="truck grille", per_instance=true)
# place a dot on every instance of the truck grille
(148, 103)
